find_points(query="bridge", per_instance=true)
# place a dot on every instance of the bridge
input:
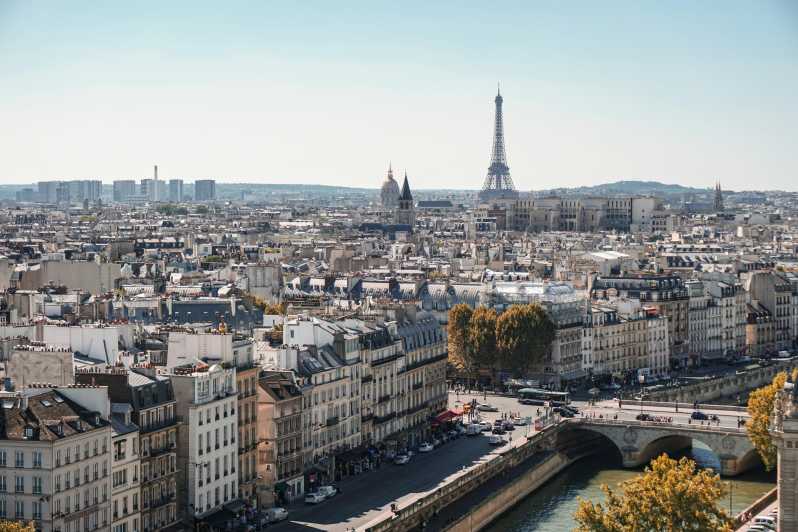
(640, 441)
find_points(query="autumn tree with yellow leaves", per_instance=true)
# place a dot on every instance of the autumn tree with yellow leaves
(669, 496)
(760, 407)
(16, 526)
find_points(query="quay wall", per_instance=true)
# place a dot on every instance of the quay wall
(501, 501)
(727, 386)
(419, 512)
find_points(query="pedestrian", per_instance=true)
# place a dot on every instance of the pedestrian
(677, 407)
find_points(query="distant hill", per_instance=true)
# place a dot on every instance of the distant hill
(630, 188)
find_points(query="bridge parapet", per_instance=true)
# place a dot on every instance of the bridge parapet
(640, 441)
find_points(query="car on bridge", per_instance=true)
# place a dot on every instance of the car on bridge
(699, 415)
(644, 417)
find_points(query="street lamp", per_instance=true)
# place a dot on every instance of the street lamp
(641, 379)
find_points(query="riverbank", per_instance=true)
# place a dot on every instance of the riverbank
(551, 507)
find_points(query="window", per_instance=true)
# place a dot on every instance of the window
(37, 485)
(37, 459)
(2, 508)
(19, 459)
(58, 483)
(19, 509)
(3, 487)
(19, 484)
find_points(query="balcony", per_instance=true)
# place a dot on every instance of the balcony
(157, 503)
(366, 378)
(332, 421)
(366, 417)
(384, 399)
(162, 450)
(152, 427)
(383, 419)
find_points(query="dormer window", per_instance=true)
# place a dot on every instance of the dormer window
(28, 432)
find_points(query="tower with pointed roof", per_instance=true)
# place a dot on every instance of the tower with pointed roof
(405, 212)
(498, 184)
(718, 197)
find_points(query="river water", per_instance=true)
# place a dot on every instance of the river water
(551, 508)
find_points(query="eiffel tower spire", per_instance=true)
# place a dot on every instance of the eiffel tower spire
(498, 183)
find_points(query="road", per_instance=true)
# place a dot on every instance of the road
(367, 497)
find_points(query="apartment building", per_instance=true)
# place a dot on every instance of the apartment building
(153, 410)
(280, 444)
(215, 347)
(55, 459)
(773, 291)
(664, 293)
(705, 325)
(125, 470)
(208, 449)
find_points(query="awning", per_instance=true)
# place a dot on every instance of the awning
(219, 519)
(447, 416)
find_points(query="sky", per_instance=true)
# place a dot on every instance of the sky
(323, 92)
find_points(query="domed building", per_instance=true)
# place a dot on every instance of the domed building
(389, 193)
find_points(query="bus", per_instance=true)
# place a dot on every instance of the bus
(538, 396)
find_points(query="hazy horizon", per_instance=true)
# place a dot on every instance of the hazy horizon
(678, 92)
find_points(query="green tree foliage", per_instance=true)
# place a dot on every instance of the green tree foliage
(524, 334)
(760, 408)
(457, 332)
(669, 496)
(172, 210)
(481, 338)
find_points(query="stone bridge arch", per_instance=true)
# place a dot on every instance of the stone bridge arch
(639, 442)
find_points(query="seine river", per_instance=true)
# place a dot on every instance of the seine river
(551, 508)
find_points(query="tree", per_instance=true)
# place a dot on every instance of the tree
(668, 496)
(524, 334)
(457, 332)
(760, 408)
(481, 337)
(16, 526)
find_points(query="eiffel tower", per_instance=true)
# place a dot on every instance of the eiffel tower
(498, 183)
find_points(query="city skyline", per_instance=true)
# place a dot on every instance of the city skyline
(678, 94)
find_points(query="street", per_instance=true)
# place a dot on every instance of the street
(368, 496)
(365, 497)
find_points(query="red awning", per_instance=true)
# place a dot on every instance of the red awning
(448, 415)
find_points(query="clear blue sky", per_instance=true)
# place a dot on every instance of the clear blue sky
(329, 92)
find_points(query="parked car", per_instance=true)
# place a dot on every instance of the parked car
(699, 415)
(644, 417)
(486, 407)
(425, 447)
(496, 440)
(508, 425)
(519, 421)
(564, 412)
(314, 497)
(453, 434)
(328, 491)
(498, 429)
(401, 459)
(485, 426)
(276, 514)
(475, 429)
(571, 408)
(436, 442)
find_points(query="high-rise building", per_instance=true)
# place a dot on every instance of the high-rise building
(176, 190)
(498, 183)
(124, 189)
(205, 190)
